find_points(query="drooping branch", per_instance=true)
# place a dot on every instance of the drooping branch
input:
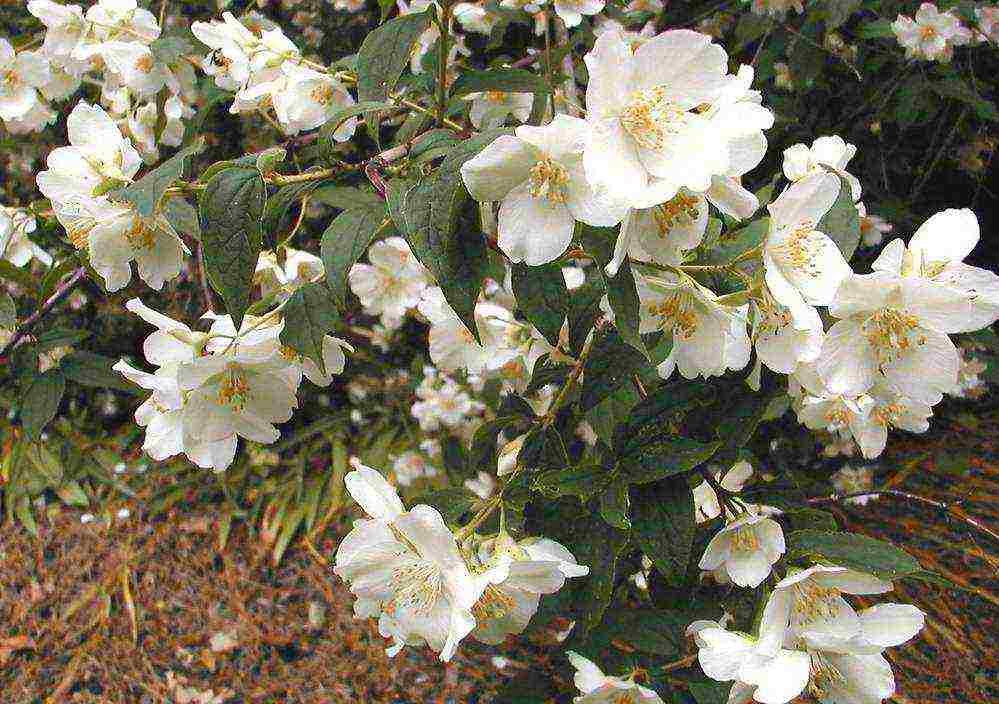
(63, 290)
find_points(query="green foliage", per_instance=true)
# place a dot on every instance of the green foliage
(857, 552)
(232, 207)
(41, 401)
(664, 526)
(146, 193)
(309, 315)
(344, 242)
(542, 296)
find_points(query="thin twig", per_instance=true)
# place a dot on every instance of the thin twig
(61, 292)
(206, 292)
(947, 508)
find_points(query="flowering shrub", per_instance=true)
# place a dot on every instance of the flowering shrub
(615, 292)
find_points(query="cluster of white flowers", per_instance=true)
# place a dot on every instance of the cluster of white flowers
(113, 44)
(931, 35)
(811, 640)
(425, 585)
(211, 388)
(268, 73)
(113, 234)
(445, 403)
(392, 284)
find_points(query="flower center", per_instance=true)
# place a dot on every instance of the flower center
(234, 390)
(837, 419)
(892, 333)
(144, 63)
(812, 601)
(682, 210)
(140, 236)
(801, 250)
(495, 96)
(548, 180)
(651, 118)
(417, 584)
(676, 314)
(745, 540)
(927, 33)
(888, 414)
(11, 78)
(824, 676)
(79, 233)
(322, 94)
(494, 603)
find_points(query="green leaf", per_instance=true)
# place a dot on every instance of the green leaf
(506, 80)
(89, 369)
(651, 447)
(599, 547)
(232, 206)
(663, 519)
(327, 142)
(622, 293)
(584, 309)
(182, 216)
(41, 401)
(346, 239)
(427, 211)
(171, 48)
(842, 222)
(543, 449)
(876, 29)
(276, 211)
(455, 459)
(648, 630)
(959, 89)
(8, 311)
(611, 363)
(384, 55)
(707, 692)
(615, 505)
(452, 503)
(348, 197)
(584, 481)
(146, 193)
(309, 315)
(810, 519)
(838, 11)
(857, 552)
(542, 297)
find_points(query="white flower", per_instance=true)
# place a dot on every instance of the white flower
(300, 267)
(404, 567)
(231, 43)
(598, 688)
(831, 152)
(988, 22)
(894, 328)
(410, 466)
(706, 505)
(141, 124)
(668, 116)
(475, 18)
(443, 402)
(15, 245)
(392, 283)
(651, 6)
(452, 346)
(538, 177)
(524, 571)
(802, 264)
(115, 235)
(572, 11)
(483, 485)
(64, 24)
(935, 255)
(491, 108)
(708, 338)
(98, 154)
(135, 67)
(873, 228)
(34, 120)
(850, 480)
(174, 110)
(662, 233)
(931, 34)
(21, 75)
(746, 549)
(306, 99)
(785, 337)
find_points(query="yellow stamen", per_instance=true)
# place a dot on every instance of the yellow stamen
(651, 118)
(548, 180)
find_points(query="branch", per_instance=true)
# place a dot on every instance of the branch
(948, 508)
(61, 292)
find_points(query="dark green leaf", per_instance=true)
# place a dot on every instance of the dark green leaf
(611, 363)
(543, 449)
(89, 369)
(857, 552)
(810, 519)
(182, 216)
(506, 80)
(276, 212)
(842, 222)
(346, 239)
(327, 142)
(309, 315)
(348, 197)
(707, 692)
(599, 547)
(8, 311)
(232, 206)
(663, 518)
(455, 459)
(146, 193)
(452, 503)
(615, 505)
(876, 29)
(837, 12)
(385, 53)
(584, 309)
(41, 401)
(584, 481)
(622, 294)
(542, 297)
